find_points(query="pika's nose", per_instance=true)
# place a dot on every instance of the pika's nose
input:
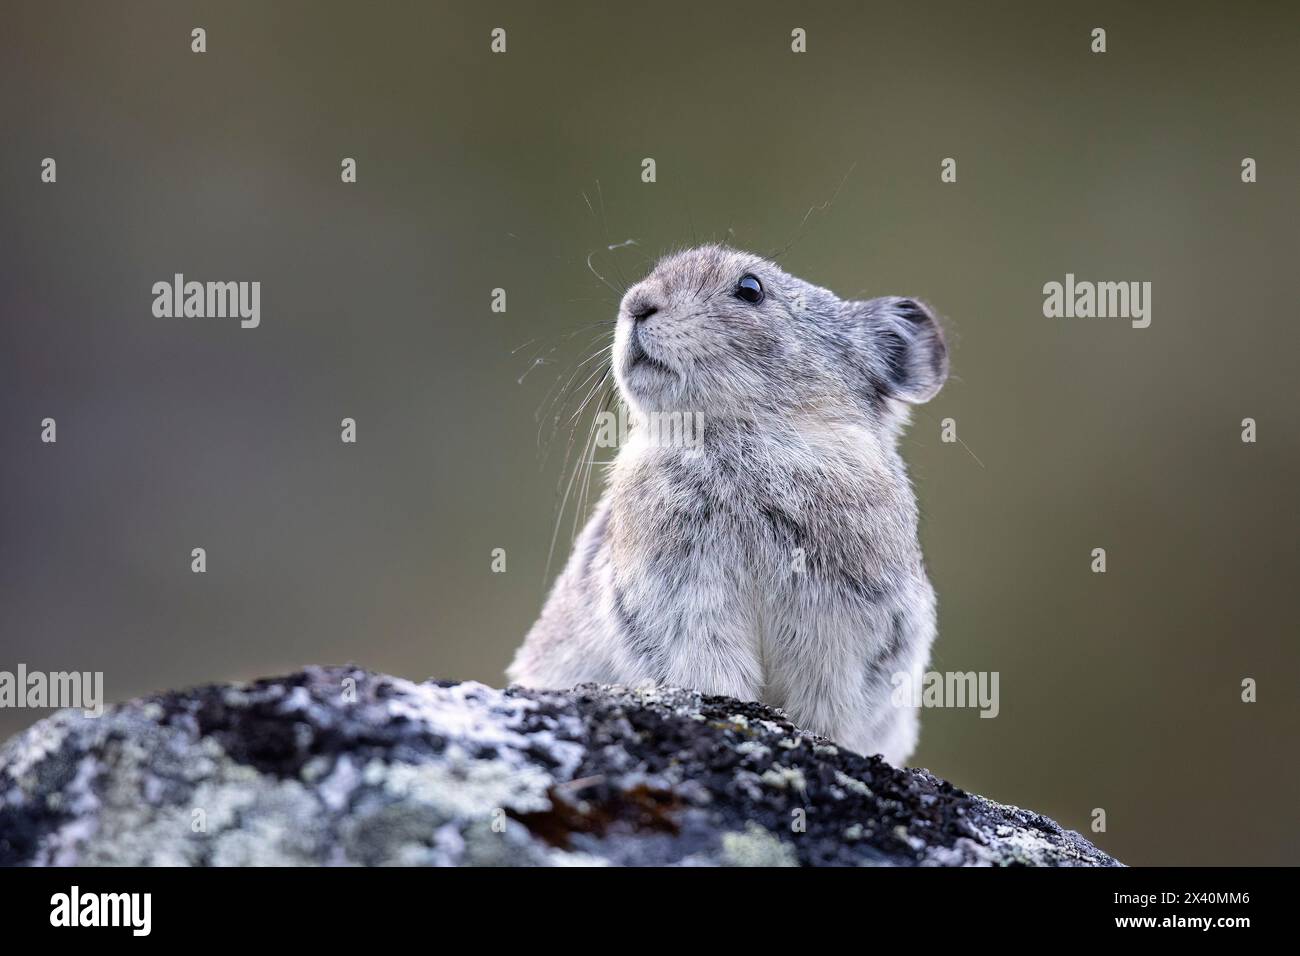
(642, 309)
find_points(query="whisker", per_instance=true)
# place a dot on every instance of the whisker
(821, 207)
(555, 399)
(607, 283)
(574, 474)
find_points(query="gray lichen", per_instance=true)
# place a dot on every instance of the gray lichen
(339, 766)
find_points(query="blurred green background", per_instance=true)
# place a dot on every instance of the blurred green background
(1119, 691)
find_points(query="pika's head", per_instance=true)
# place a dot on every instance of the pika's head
(728, 334)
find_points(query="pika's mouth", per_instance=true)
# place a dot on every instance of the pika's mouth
(638, 357)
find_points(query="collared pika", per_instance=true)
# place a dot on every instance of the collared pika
(777, 558)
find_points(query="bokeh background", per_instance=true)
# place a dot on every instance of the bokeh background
(476, 171)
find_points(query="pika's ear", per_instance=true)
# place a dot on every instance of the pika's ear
(910, 357)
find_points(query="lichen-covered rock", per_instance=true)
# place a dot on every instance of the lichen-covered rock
(342, 766)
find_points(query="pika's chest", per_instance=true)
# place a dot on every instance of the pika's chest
(771, 531)
(716, 530)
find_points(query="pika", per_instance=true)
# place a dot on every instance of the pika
(776, 559)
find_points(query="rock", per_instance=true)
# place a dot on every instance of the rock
(342, 766)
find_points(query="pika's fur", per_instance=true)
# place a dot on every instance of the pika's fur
(776, 560)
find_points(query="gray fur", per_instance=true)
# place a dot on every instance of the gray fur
(688, 571)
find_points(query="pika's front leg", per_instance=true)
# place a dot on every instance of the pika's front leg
(714, 657)
(699, 636)
(839, 668)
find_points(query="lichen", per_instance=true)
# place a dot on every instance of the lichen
(338, 766)
(754, 846)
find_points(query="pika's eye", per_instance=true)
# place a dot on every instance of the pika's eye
(749, 289)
